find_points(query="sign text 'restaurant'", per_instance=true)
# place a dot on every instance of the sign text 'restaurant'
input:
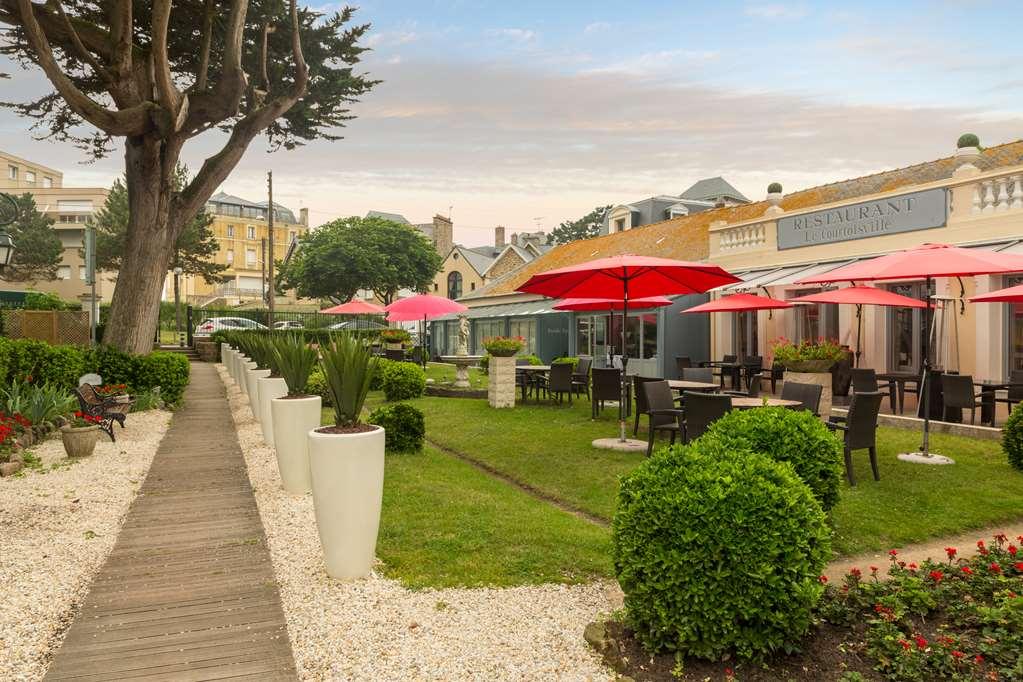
(904, 213)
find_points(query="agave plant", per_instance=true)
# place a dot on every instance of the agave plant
(293, 360)
(46, 403)
(348, 366)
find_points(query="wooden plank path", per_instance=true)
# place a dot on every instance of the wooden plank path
(188, 592)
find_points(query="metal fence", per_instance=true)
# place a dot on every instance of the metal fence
(204, 321)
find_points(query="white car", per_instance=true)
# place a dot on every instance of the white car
(288, 324)
(216, 324)
(352, 325)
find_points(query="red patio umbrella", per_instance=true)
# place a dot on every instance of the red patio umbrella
(356, 306)
(926, 261)
(861, 296)
(580, 304)
(626, 278)
(1010, 295)
(422, 307)
(738, 303)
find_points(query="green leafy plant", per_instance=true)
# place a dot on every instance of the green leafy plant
(395, 335)
(774, 188)
(403, 381)
(404, 427)
(378, 379)
(565, 361)
(718, 552)
(1012, 437)
(294, 361)
(967, 140)
(317, 385)
(807, 355)
(167, 370)
(784, 435)
(504, 346)
(485, 363)
(44, 403)
(348, 366)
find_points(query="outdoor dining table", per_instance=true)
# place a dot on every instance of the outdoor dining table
(988, 388)
(730, 369)
(683, 385)
(741, 403)
(534, 369)
(899, 381)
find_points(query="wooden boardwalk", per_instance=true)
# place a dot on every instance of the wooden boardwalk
(188, 591)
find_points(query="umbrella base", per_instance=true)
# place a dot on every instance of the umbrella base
(627, 445)
(924, 458)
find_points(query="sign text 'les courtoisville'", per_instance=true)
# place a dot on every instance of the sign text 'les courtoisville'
(904, 213)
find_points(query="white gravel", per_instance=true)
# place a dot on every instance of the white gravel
(375, 629)
(57, 526)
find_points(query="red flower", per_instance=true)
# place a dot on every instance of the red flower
(978, 659)
(912, 567)
(823, 579)
(855, 572)
(957, 655)
(994, 567)
(1012, 550)
(951, 552)
(921, 643)
(873, 569)
(1000, 538)
(893, 553)
(936, 576)
(1019, 565)
(905, 644)
(967, 571)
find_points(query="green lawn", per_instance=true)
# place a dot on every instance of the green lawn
(548, 448)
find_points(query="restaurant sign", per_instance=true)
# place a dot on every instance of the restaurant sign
(904, 213)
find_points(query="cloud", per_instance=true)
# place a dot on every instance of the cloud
(658, 63)
(775, 11)
(390, 38)
(596, 27)
(518, 35)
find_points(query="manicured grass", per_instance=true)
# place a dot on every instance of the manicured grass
(442, 373)
(548, 447)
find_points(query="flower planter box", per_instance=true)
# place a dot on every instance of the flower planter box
(501, 390)
(79, 441)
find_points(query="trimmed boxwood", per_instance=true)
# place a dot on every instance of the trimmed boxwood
(718, 552)
(167, 370)
(317, 385)
(1012, 437)
(404, 426)
(403, 381)
(785, 435)
(967, 140)
(377, 382)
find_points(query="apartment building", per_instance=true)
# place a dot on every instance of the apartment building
(72, 209)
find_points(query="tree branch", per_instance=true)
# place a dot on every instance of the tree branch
(95, 39)
(76, 41)
(204, 53)
(132, 121)
(121, 30)
(167, 94)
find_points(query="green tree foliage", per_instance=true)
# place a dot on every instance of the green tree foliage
(193, 252)
(338, 259)
(38, 250)
(583, 228)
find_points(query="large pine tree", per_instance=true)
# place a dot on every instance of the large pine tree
(38, 250)
(159, 74)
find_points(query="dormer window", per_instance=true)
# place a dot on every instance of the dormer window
(620, 225)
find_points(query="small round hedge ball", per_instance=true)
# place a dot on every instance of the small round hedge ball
(1012, 437)
(718, 552)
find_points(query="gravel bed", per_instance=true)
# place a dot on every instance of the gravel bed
(57, 526)
(376, 629)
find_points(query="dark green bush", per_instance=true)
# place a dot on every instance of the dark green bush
(967, 140)
(774, 188)
(796, 437)
(718, 552)
(317, 385)
(405, 427)
(533, 360)
(485, 363)
(377, 382)
(169, 371)
(115, 366)
(62, 366)
(24, 358)
(403, 381)
(1012, 437)
(566, 361)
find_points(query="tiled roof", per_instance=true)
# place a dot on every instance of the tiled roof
(712, 188)
(396, 217)
(686, 238)
(477, 260)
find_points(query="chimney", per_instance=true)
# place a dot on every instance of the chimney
(499, 237)
(303, 216)
(443, 239)
(515, 238)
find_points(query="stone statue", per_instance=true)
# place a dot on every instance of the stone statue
(463, 335)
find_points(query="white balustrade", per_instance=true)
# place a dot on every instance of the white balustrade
(743, 237)
(1003, 193)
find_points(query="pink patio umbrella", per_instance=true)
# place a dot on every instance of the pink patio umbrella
(738, 303)
(581, 304)
(926, 261)
(861, 296)
(422, 307)
(1010, 295)
(627, 278)
(356, 306)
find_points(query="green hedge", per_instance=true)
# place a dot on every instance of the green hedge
(317, 336)
(403, 381)
(718, 552)
(1012, 437)
(28, 360)
(404, 427)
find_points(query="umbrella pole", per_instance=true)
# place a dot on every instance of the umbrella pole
(859, 331)
(929, 320)
(625, 362)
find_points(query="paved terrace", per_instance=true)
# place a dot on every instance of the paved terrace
(188, 592)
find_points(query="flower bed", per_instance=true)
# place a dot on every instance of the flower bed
(807, 355)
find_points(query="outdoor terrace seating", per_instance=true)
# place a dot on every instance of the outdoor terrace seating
(859, 430)
(660, 406)
(703, 409)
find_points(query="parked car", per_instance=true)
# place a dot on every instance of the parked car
(352, 325)
(216, 324)
(288, 324)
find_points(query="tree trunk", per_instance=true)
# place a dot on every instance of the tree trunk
(135, 307)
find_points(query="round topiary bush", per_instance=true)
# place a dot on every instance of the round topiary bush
(785, 435)
(774, 188)
(1012, 437)
(377, 382)
(718, 552)
(967, 140)
(317, 385)
(403, 381)
(404, 426)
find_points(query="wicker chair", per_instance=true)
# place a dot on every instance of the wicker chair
(807, 394)
(606, 385)
(702, 410)
(664, 415)
(641, 404)
(859, 430)
(581, 375)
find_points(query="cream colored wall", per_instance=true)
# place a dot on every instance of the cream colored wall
(23, 165)
(617, 213)
(455, 262)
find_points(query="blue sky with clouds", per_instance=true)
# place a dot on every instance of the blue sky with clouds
(509, 112)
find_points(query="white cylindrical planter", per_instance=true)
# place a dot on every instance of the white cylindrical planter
(293, 419)
(224, 348)
(252, 376)
(227, 358)
(347, 473)
(239, 358)
(244, 365)
(268, 389)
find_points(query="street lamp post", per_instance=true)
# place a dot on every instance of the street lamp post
(8, 214)
(177, 306)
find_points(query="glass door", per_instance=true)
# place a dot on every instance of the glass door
(744, 334)
(908, 331)
(1014, 329)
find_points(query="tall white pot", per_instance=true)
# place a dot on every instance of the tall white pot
(228, 360)
(225, 347)
(293, 419)
(239, 360)
(347, 473)
(269, 388)
(244, 365)
(252, 376)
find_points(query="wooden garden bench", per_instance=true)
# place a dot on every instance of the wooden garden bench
(109, 410)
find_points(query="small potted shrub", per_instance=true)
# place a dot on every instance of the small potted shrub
(394, 338)
(810, 362)
(501, 367)
(346, 463)
(774, 193)
(271, 386)
(294, 415)
(259, 351)
(80, 434)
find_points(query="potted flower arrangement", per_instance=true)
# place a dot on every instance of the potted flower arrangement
(346, 463)
(810, 362)
(294, 414)
(10, 455)
(395, 338)
(117, 393)
(80, 434)
(501, 367)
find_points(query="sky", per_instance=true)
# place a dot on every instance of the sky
(527, 113)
